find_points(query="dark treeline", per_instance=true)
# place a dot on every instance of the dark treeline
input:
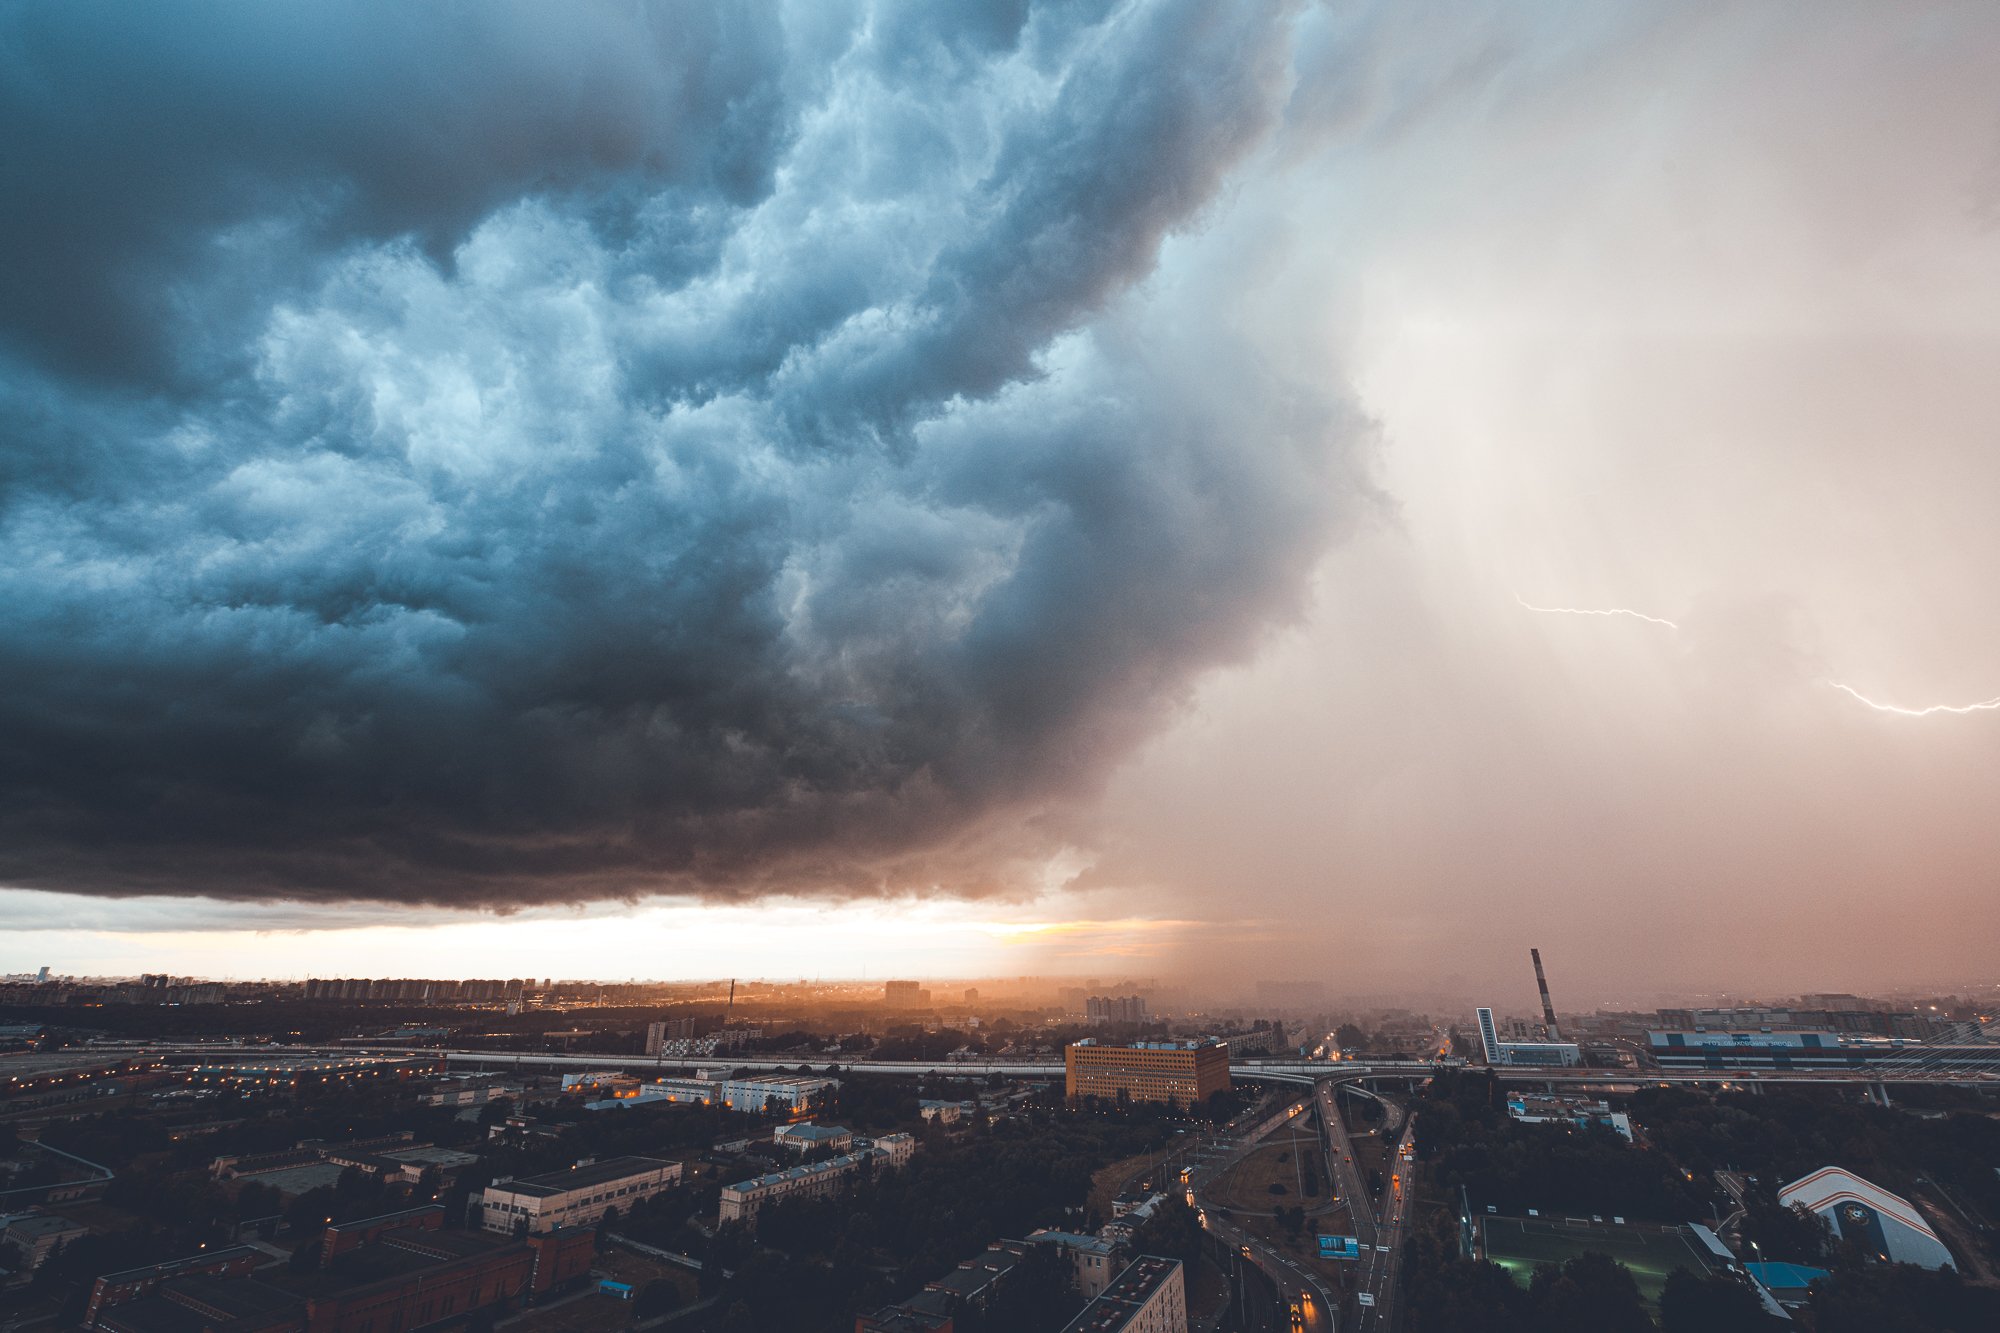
(1783, 1135)
(1467, 1138)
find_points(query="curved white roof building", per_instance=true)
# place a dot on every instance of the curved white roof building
(1880, 1222)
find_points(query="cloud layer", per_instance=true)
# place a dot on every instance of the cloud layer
(469, 457)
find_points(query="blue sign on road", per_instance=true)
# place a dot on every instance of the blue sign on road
(1339, 1247)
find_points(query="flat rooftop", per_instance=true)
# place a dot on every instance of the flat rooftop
(1131, 1289)
(797, 1172)
(582, 1177)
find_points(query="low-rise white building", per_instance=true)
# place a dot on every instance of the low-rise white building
(791, 1097)
(741, 1200)
(808, 1137)
(1532, 1110)
(576, 1197)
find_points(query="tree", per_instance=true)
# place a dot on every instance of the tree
(1592, 1293)
(1174, 1230)
(656, 1298)
(1789, 1235)
(1901, 1298)
(1717, 1304)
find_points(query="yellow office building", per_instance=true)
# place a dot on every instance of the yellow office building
(1187, 1072)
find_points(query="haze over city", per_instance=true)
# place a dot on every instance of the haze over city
(846, 491)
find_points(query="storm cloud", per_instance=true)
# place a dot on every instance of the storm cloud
(487, 455)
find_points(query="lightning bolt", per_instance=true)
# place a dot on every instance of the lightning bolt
(1984, 705)
(1611, 611)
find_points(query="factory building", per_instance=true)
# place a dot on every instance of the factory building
(1824, 1049)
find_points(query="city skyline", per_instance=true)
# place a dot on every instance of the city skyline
(814, 490)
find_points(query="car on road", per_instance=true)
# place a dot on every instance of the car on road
(1365, 1297)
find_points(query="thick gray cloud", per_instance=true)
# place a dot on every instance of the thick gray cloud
(476, 456)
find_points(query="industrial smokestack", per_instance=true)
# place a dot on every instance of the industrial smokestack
(1548, 1010)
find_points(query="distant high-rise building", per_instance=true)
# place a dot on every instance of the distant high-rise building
(1115, 1009)
(905, 995)
(42, 976)
(667, 1029)
(972, 995)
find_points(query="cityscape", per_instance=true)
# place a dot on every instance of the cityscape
(1023, 1153)
(1030, 666)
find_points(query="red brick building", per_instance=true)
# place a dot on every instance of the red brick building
(385, 1274)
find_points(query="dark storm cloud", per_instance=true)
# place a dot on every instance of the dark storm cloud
(471, 455)
(164, 164)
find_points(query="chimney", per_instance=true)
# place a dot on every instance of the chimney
(1548, 1010)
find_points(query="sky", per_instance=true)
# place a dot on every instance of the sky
(824, 489)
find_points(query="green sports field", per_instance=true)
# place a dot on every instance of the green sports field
(1522, 1244)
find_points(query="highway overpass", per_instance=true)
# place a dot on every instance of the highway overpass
(1305, 1071)
(1300, 1071)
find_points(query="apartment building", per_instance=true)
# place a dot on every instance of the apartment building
(1150, 1296)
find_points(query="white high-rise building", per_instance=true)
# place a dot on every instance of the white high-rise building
(1498, 1052)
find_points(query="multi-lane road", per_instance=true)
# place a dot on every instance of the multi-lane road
(1381, 1265)
(1311, 1297)
(1379, 1228)
(1300, 1291)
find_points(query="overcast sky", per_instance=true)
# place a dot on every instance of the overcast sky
(798, 489)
